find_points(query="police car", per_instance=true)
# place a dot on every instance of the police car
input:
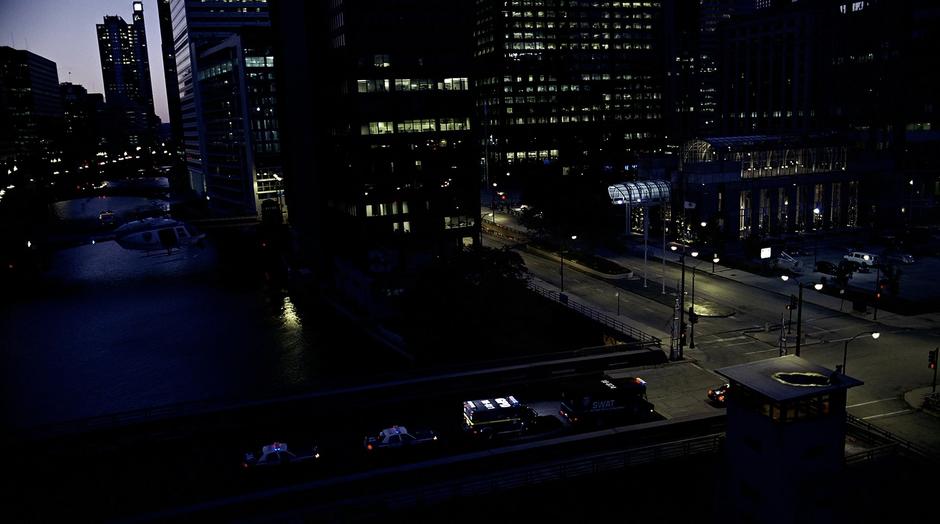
(488, 418)
(718, 394)
(277, 454)
(397, 437)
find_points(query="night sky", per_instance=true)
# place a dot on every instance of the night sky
(64, 32)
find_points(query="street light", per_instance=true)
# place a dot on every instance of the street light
(562, 270)
(845, 349)
(493, 202)
(692, 307)
(799, 310)
(677, 353)
(816, 217)
(715, 260)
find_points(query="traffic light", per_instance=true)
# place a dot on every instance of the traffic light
(932, 359)
(693, 316)
(792, 305)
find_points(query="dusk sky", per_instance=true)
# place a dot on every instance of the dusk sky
(64, 32)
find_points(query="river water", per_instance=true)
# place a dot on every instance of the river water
(111, 330)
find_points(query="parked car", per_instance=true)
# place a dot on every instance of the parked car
(718, 394)
(864, 259)
(848, 267)
(900, 258)
(827, 268)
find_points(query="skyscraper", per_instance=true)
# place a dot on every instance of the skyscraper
(125, 68)
(196, 27)
(383, 144)
(168, 52)
(30, 109)
(568, 87)
(240, 123)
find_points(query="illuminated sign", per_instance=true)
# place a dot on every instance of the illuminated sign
(764, 252)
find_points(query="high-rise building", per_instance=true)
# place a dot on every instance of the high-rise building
(30, 109)
(773, 71)
(79, 142)
(125, 68)
(196, 27)
(240, 123)
(568, 87)
(711, 13)
(379, 133)
(168, 52)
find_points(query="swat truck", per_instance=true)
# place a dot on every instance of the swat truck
(603, 400)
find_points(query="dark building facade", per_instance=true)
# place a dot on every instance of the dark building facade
(386, 149)
(196, 27)
(168, 53)
(769, 186)
(240, 124)
(860, 69)
(773, 63)
(30, 111)
(568, 87)
(79, 133)
(710, 14)
(125, 68)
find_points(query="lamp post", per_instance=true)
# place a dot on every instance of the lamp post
(562, 270)
(493, 202)
(816, 213)
(692, 307)
(799, 311)
(681, 345)
(715, 260)
(845, 349)
(910, 212)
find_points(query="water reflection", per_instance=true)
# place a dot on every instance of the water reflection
(289, 315)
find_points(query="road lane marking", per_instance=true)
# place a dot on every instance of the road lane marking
(762, 351)
(870, 402)
(888, 414)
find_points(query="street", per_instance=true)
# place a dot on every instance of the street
(892, 365)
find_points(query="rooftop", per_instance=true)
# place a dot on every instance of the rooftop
(787, 378)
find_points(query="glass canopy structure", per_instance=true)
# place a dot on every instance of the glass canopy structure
(639, 193)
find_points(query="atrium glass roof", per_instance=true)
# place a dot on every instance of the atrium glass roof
(641, 192)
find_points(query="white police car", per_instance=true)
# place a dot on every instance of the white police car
(277, 454)
(397, 437)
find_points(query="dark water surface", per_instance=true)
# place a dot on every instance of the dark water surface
(111, 330)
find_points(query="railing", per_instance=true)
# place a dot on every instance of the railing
(892, 440)
(526, 476)
(884, 450)
(597, 316)
(529, 476)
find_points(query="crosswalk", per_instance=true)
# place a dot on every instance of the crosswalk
(875, 409)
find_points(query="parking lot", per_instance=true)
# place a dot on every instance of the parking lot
(921, 271)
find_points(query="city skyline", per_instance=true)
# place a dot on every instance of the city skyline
(65, 33)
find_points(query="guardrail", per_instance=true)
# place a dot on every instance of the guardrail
(521, 477)
(597, 316)
(884, 450)
(389, 388)
(898, 443)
